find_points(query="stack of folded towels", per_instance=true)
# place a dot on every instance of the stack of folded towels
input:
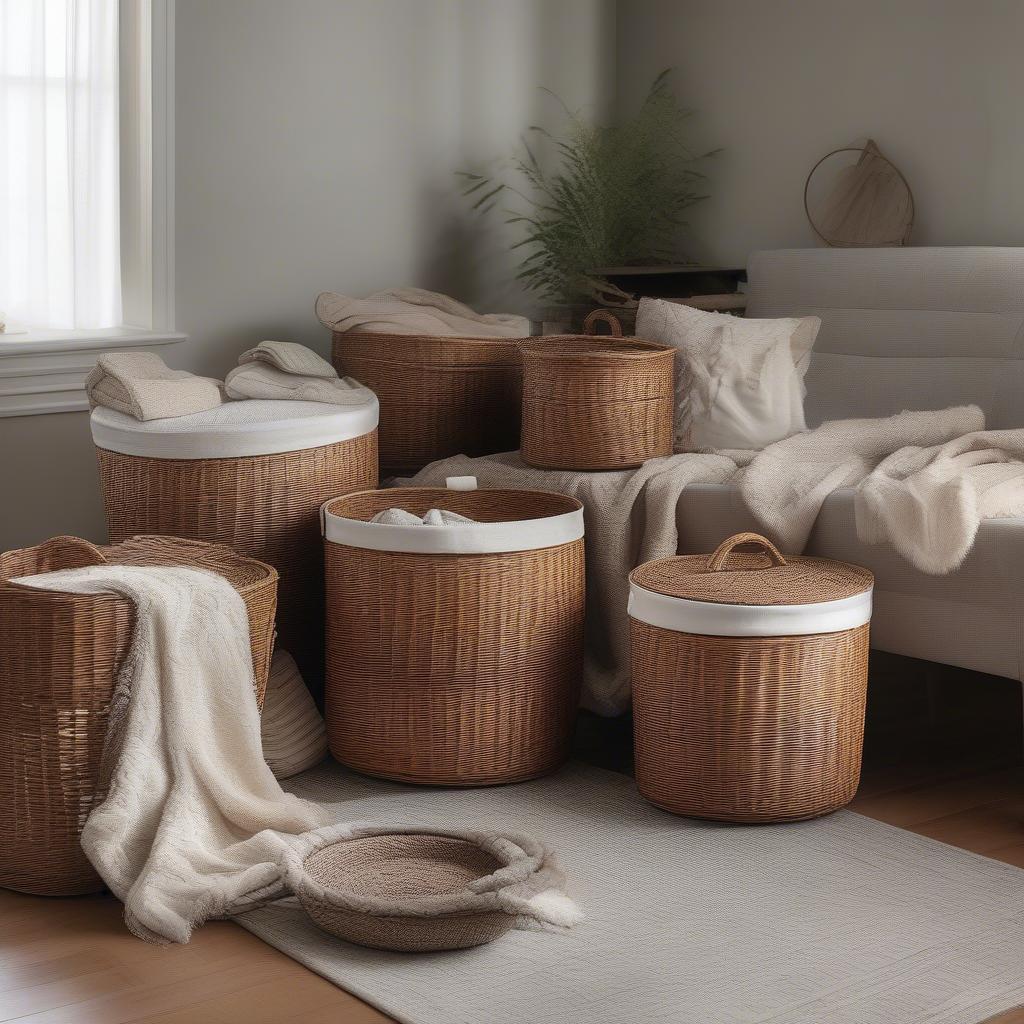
(140, 384)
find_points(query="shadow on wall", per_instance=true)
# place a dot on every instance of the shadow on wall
(507, 55)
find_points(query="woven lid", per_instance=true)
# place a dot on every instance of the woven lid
(248, 427)
(758, 578)
(731, 593)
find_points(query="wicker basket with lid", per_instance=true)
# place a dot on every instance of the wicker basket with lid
(59, 655)
(749, 682)
(593, 402)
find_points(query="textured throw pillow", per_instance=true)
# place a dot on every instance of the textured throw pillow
(739, 383)
(293, 731)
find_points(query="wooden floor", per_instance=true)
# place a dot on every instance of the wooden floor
(72, 961)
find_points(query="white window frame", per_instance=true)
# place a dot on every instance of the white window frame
(44, 371)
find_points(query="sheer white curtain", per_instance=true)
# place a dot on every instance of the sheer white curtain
(59, 192)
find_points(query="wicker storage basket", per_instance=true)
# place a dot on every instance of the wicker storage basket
(59, 654)
(594, 403)
(438, 396)
(413, 890)
(749, 682)
(454, 654)
(252, 475)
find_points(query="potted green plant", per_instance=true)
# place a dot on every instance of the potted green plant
(601, 195)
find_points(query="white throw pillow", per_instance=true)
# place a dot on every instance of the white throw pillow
(739, 382)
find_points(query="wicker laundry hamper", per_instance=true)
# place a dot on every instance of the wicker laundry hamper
(749, 682)
(596, 402)
(438, 396)
(454, 653)
(250, 474)
(414, 889)
(59, 654)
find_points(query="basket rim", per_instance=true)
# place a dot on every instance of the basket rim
(471, 339)
(520, 856)
(596, 346)
(268, 574)
(574, 504)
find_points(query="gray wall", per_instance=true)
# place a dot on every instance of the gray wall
(317, 145)
(778, 83)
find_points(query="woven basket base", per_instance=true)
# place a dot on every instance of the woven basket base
(403, 867)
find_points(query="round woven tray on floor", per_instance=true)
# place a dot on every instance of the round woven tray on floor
(438, 396)
(59, 655)
(265, 506)
(402, 868)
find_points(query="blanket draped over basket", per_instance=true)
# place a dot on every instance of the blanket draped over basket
(194, 825)
(924, 482)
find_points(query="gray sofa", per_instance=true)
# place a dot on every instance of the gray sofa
(915, 328)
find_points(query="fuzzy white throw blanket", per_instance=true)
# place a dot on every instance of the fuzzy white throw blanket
(415, 311)
(924, 482)
(194, 821)
(194, 825)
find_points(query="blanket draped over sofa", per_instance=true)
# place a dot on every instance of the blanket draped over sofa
(924, 482)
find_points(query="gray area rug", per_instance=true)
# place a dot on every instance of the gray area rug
(842, 920)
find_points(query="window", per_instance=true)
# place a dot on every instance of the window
(59, 164)
(86, 191)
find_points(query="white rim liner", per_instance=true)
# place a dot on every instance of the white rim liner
(706, 618)
(194, 439)
(458, 539)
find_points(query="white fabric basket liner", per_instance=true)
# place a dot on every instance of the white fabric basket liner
(708, 618)
(458, 539)
(235, 429)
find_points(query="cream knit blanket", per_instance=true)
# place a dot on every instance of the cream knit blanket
(194, 825)
(924, 482)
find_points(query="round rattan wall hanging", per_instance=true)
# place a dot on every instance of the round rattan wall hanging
(855, 197)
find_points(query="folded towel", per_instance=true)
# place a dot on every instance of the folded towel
(434, 517)
(258, 379)
(415, 311)
(142, 385)
(291, 358)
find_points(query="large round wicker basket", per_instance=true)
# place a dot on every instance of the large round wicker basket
(454, 653)
(252, 475)
(438, 396)
(59, 655)
(749, 682)
(595, 402)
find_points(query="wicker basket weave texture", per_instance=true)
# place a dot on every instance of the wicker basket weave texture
(596, 403)
(438, 396)
(454, 669)
(264, 506)
(400, 867)
(59, 654)
(749, 728)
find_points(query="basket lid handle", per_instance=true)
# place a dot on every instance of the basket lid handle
(606, 316)
(717, 560)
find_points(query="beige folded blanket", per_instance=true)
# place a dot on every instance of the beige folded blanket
(262, 380)
(291, 358)
(415, 311)
(142, 385)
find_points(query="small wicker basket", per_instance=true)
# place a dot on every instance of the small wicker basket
(59, 655)
(454, 654)
(251, 475)
(438, 396)
(596, 403)
(749, 682)
(417, 889)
